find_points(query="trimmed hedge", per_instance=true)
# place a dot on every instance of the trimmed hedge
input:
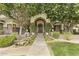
(7, 40)
(47, 38)
(56, 34)
(67, 35)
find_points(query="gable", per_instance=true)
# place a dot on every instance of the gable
(42, 16)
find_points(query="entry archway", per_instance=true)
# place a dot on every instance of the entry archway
(40, 23)
(40, 28)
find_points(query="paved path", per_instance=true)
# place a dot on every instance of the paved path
(3, 35)
(73, 37)
(14, 51)
(39, 47)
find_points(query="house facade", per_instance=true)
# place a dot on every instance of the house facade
(7, 25)
(41, 24)
(38, 24)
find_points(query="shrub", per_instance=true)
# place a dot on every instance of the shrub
(56, 35)
(27, 41)
(67, 35)
(30, 40)
(47, 38)
(7, 40)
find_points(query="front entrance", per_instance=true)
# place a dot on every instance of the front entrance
(40, 28)
(57, 28)
(40, 25)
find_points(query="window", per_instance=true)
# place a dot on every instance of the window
(1, 26)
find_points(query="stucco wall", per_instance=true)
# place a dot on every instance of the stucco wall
(43, 16)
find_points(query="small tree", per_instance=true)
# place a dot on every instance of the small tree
(20, 14)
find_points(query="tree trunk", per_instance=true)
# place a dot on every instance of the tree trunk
(20, 31)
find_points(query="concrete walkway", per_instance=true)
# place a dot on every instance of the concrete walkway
(39, 47)
(72, 37)
(14, 51)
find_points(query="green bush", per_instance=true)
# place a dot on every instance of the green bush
(32, 38)
(56, 35)
(67, 35)
(7, 40)
(47, 38)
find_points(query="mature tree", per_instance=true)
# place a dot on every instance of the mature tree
(19, 13)
(65, 13)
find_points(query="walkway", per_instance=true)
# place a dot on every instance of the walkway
(73, 37)
(14, 51)
(39, 47)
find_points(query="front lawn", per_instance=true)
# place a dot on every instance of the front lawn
(64, 48)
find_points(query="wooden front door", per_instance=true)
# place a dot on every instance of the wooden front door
(40, 28)
(57, 28)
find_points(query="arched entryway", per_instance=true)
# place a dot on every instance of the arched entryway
(40, 28)
(40, 23)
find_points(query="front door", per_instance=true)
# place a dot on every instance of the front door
(9, 28)
(57, 28)
(40, 28)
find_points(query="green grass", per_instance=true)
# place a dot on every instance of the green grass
(64, 48)
(47, 39)
(7, 40)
